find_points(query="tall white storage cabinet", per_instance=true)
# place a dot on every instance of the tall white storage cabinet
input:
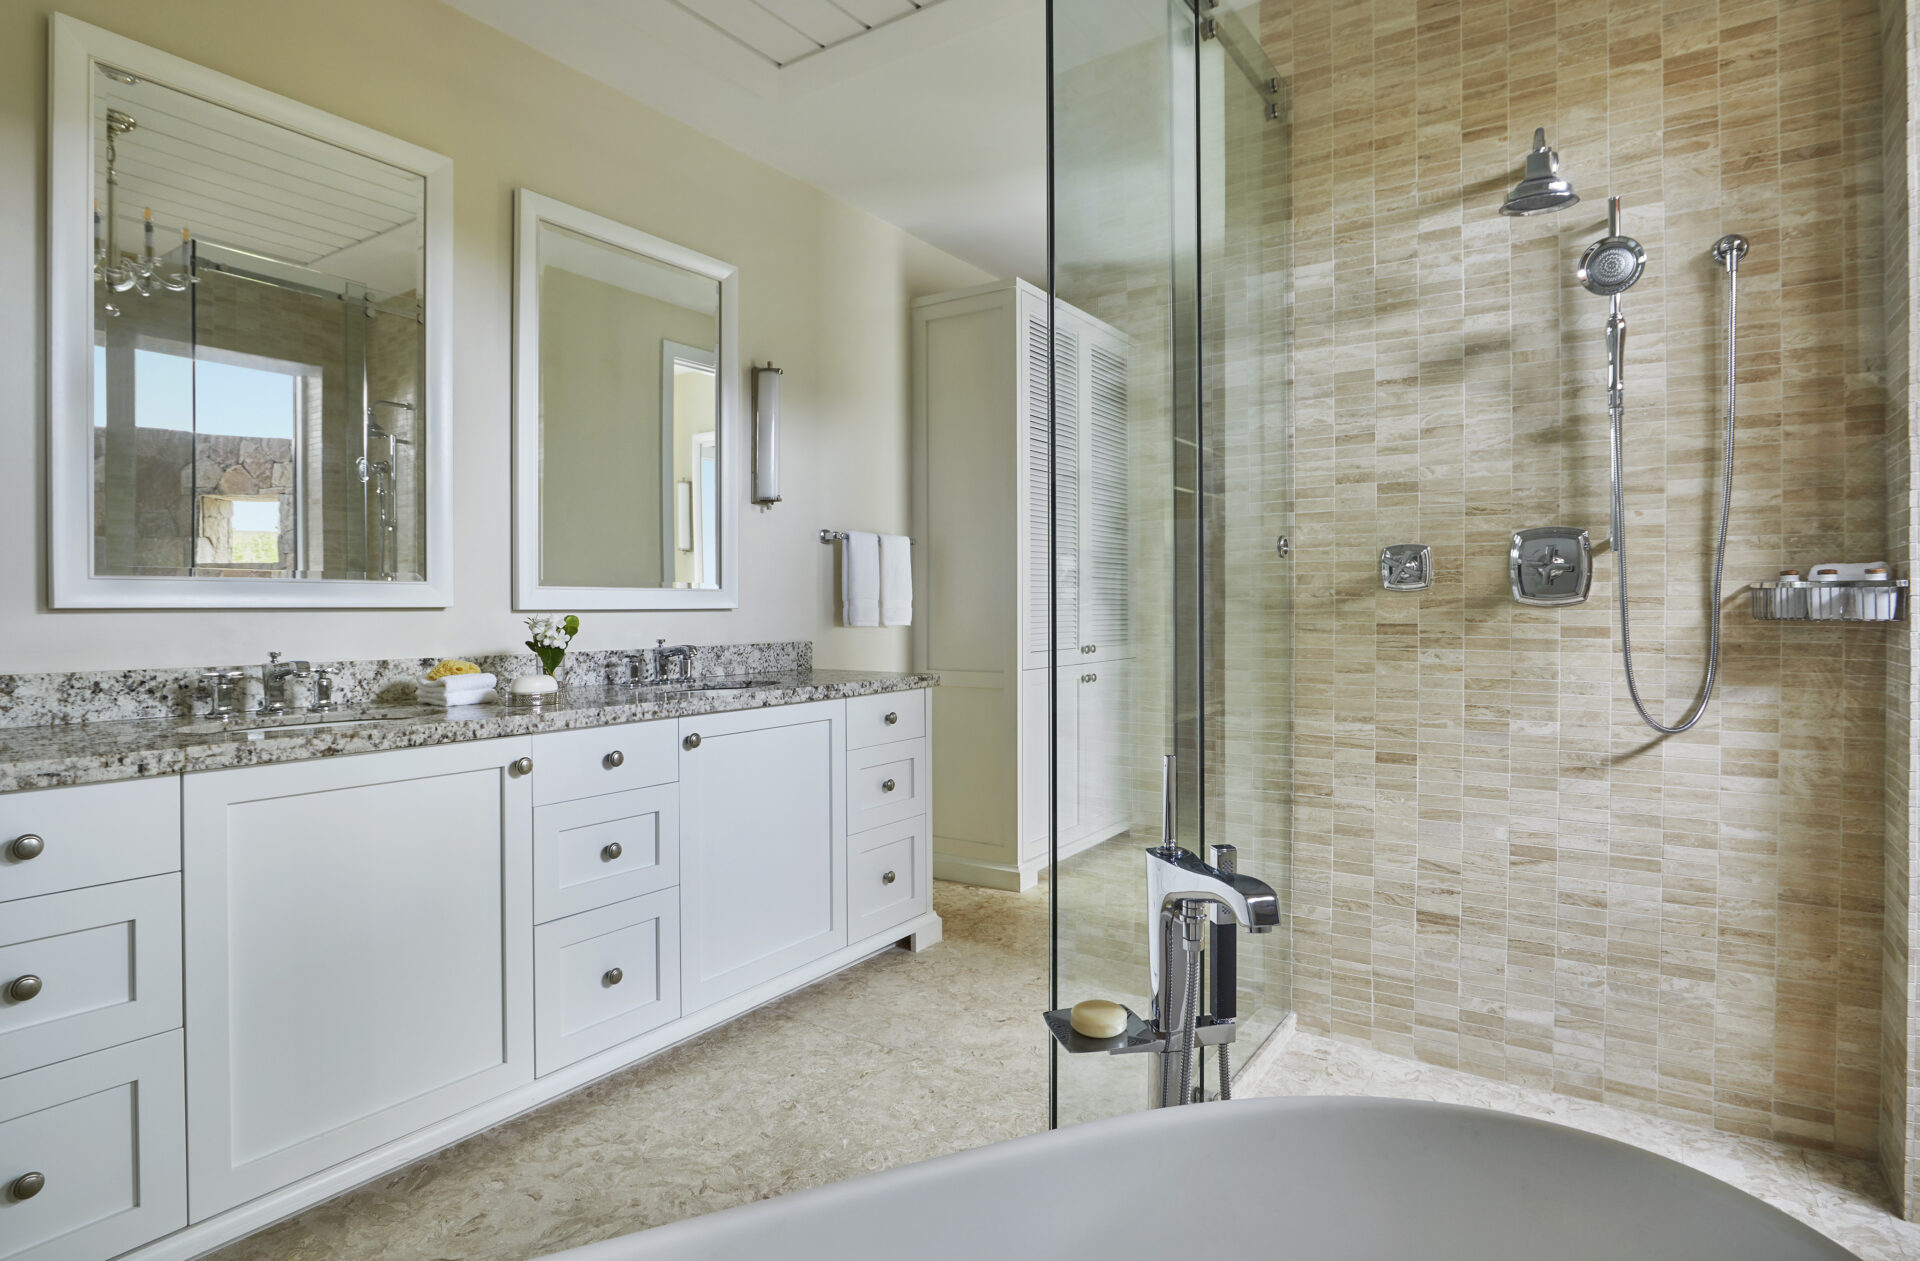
(983, 439)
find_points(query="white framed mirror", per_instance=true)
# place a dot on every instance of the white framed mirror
(628, 451)
(249, 344)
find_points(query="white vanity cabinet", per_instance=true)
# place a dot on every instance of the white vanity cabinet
(377, 955)
(763, 845)
(358, 951)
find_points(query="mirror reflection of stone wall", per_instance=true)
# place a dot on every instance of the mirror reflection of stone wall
(257, 383)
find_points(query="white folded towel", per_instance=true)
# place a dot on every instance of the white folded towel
(896, 580)
(860, 579)
(457, 689)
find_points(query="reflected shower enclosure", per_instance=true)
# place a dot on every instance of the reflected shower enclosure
(257, 359)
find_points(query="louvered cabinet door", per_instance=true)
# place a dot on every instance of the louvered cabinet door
(1105, 560)
(1061, 442)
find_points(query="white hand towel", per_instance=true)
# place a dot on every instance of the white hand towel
(457, 689)
(896, 580)
(860, 579)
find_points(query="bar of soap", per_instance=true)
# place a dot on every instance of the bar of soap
(1098, 1018)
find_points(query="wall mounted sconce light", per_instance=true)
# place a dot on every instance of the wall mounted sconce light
(766, 435)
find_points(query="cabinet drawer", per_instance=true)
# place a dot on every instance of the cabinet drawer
(887, 877)
(605, 976)
(107, 965)
(90, 834)
(107, 1134)
(587, 763)
(885, 784)
(598, 850)
(886, 718)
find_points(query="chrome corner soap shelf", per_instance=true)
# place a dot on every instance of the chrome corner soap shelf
(1835, 600)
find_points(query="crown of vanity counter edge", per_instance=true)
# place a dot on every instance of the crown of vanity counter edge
(205, 925)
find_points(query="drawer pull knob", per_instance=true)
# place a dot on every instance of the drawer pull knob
(893, 716)
(615, 760)
(887, 879)
(23, 988)
(692, 741)
(886, 785)
(614, 976)
(611, 851)
(521, 766)
(25, 847)
(27, 1185)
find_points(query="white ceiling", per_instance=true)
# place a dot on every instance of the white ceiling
(930, 114)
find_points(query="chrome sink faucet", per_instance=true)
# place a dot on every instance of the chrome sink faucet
(672, 665)
(273, 682)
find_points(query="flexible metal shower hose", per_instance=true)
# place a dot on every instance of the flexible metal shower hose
(1616, 412)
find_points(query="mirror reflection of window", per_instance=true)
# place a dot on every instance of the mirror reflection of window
(628, 377)
(255, 288)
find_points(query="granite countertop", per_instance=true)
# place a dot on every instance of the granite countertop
(94, 752)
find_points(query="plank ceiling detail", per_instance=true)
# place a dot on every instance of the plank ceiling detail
(784, 31)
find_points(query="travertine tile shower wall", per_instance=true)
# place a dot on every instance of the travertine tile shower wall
(1495, 867)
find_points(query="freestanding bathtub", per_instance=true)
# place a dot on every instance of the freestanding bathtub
(1318, 1179)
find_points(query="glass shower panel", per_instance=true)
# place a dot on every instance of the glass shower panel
(1125, 261)
(1246, 463)
(1170, 490)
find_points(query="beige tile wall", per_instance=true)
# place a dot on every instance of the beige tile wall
(1495, 867)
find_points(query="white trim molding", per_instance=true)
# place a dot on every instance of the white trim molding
(75, 47)
(530, 210)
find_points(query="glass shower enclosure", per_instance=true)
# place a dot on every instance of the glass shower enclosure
(1169, 253)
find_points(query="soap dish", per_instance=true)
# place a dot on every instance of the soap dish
(530, 702)
(1060, 1025)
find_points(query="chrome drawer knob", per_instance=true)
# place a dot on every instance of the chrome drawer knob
(692, 741)
(27, 1185)
(887, 879)
(886, 785)
(614, 976)
(611, 852)
(615, 760)
(892, 717)
(24, 987)
(521, 766)
(25, 847)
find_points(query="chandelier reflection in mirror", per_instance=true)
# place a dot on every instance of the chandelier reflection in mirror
(257, 388)
(143, 273)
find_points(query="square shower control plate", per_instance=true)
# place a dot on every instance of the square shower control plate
(1551, 565)
(1406, 567)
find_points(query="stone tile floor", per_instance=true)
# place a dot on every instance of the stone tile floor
(898, 1059)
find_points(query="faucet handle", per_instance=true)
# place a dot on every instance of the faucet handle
(1169, 805)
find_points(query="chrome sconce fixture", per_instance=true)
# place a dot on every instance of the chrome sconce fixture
(766, 435)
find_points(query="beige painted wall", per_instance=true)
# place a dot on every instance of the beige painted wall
(824, 291)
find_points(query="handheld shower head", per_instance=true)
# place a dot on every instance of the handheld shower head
(1612, 264)
(1543, 189)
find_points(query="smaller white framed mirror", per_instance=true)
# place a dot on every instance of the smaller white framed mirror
(628, 450)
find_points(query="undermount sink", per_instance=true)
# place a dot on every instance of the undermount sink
(729, 685)
(254, 727)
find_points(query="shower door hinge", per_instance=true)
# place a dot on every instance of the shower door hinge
(1284, 546)
(1209, 29)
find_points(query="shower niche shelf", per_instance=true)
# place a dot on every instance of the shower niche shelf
(1848, 600)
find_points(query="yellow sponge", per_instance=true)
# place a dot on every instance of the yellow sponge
(445, 668)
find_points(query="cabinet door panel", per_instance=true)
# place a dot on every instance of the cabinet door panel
(358, 949)
(605, 976)
(763, 845)
(1052, 437)
(1038, 760)
(1101, 784)
(1106, 577)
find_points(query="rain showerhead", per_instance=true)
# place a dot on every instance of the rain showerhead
(1542, 190)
